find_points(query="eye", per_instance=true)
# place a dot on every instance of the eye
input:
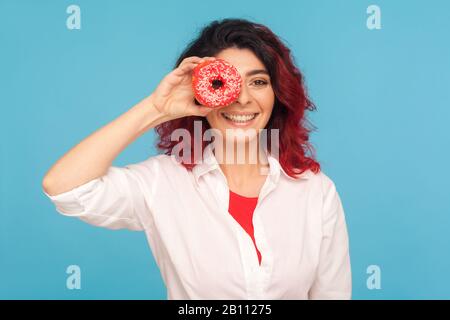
(260, 82)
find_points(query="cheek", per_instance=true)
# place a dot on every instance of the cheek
(213, 119)
(210, 120)
(266, 99)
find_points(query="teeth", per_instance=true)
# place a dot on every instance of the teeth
(239, 118)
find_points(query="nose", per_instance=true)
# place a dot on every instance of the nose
(244, 96)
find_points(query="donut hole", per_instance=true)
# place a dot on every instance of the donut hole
(217, 84)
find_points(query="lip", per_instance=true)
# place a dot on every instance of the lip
(243, 124)
(239, 113)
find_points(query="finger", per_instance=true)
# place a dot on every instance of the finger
(190, 59)
(195, 59)
(184, 69)
(201, 110)
(188, 64)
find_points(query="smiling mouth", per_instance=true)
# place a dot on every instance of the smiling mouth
(239, 118)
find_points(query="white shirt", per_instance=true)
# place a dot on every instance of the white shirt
(202, 251)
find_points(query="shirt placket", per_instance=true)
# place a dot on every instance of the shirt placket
(256, 276)
(261, 272)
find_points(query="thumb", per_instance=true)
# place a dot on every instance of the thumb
(203, 111)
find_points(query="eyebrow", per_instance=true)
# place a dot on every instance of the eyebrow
(257, 71)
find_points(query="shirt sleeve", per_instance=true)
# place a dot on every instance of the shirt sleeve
(333, 279)
(115, 200)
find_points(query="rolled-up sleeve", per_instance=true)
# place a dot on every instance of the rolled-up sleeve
(115, 200)
(333, 278)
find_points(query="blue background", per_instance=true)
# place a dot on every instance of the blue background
(383, 99)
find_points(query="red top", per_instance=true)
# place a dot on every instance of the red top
(241, 208)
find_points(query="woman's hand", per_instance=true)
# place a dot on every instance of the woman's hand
(174, 96)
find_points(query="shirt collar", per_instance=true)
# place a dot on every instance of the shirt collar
(210, 163)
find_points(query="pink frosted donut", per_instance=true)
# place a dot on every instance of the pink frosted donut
(216, 83)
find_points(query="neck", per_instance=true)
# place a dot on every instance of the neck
(243, 166)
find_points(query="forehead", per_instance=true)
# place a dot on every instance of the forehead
(243, 59)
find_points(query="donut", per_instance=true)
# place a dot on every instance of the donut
(216, 83)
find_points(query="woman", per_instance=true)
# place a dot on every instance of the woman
(273, 228)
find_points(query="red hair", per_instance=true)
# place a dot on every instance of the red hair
(295, 154)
